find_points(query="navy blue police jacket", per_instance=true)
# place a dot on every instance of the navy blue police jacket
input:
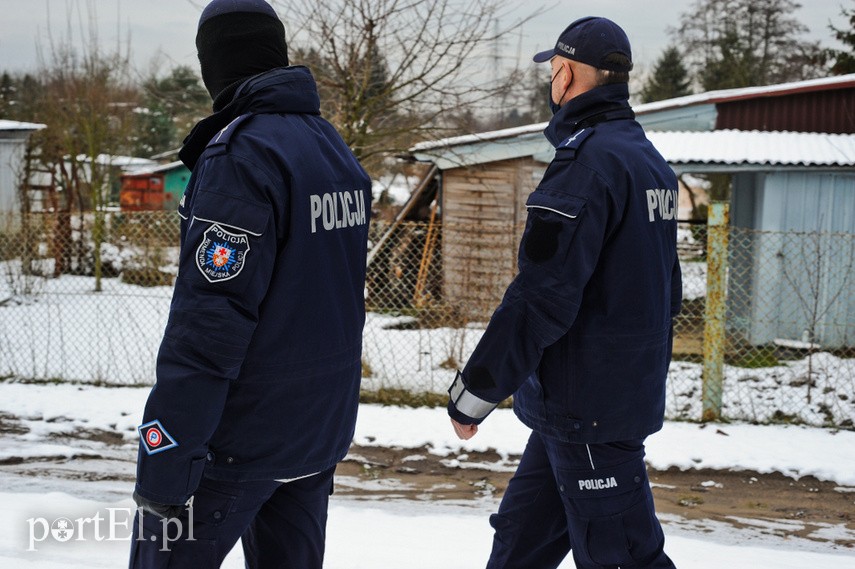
(582, 337)
(258, 373)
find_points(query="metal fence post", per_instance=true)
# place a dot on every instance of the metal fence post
(716, 310)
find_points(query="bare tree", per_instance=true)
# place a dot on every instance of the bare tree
(740, 43)
(88, 101)
(390, 71)
(819, 274)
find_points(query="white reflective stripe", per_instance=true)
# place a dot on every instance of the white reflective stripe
(468, 404)
(228, 225)
(287, 480)
(184, 217)
(552, 210)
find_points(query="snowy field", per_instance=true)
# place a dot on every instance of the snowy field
(393, 534)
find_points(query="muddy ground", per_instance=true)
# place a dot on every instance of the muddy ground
(699, 500)
(770, 503)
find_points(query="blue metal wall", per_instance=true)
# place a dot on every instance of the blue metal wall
(792, 257)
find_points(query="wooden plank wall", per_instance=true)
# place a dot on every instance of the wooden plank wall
(483, 215)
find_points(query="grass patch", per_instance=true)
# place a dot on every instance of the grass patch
(754, 357)
(404, 398)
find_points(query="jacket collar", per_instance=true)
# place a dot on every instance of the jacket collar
(282, 90)
(607, 102)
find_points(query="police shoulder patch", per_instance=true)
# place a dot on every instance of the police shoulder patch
(573, 142)
(223, 137)
(154, 437)
(222, 254)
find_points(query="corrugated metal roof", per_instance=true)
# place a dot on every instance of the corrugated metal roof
(479, 137)
(829, 111)
(736, 147)
(721, 148)
(16, 125)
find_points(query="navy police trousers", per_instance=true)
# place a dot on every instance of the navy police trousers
(592, 499)
(281, 525)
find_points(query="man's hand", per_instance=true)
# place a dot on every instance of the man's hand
(165, 511)
(464, 432)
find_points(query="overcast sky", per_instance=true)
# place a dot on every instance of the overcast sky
(165, 29)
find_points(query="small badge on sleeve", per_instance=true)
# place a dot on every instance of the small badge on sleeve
(154, 437)
(222, 254)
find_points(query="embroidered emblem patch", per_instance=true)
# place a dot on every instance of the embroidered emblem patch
(154, 437)
(222, 254)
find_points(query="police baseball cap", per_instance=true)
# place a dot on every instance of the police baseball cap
(591, 40)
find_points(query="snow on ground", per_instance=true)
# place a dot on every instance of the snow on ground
(817, 390)
(398, 188)
(51, 332)
(694, 280)
(359, 536)
(795, 451)
(390, 534)
(418, 359)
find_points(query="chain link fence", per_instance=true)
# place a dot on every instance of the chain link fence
(789, 332)
(70, 316)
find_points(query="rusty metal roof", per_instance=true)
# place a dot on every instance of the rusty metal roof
(731, 95)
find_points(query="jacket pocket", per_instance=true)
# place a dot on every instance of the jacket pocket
(552, 222)
(565, 205)
(237, 215)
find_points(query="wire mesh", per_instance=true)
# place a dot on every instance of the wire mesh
(430, 291)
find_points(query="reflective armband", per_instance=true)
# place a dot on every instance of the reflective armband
(467, 403)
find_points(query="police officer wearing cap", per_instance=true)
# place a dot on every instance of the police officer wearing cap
(582, 338)
(258, 373)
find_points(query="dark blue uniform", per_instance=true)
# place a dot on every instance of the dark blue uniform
(582, 339)
(259, 370)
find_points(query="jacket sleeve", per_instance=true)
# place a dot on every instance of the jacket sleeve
(566, 227)
(226, 261)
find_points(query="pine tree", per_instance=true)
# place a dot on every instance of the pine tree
(7, 95)
(670, 78)
(844, 61)
(172, 105)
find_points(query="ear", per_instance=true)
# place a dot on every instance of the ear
(568, 74)
(566, 78)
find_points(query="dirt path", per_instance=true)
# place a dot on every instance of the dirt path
(770, 504)
(759, 504)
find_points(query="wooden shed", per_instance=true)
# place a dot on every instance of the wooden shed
(483, 215)
(154, 189)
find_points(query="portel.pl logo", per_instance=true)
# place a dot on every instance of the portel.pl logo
(114, 526)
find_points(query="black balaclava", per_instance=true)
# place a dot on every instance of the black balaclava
(237, 39)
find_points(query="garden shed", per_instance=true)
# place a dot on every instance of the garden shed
(790, 154)
(155, 188)
(13, 142)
